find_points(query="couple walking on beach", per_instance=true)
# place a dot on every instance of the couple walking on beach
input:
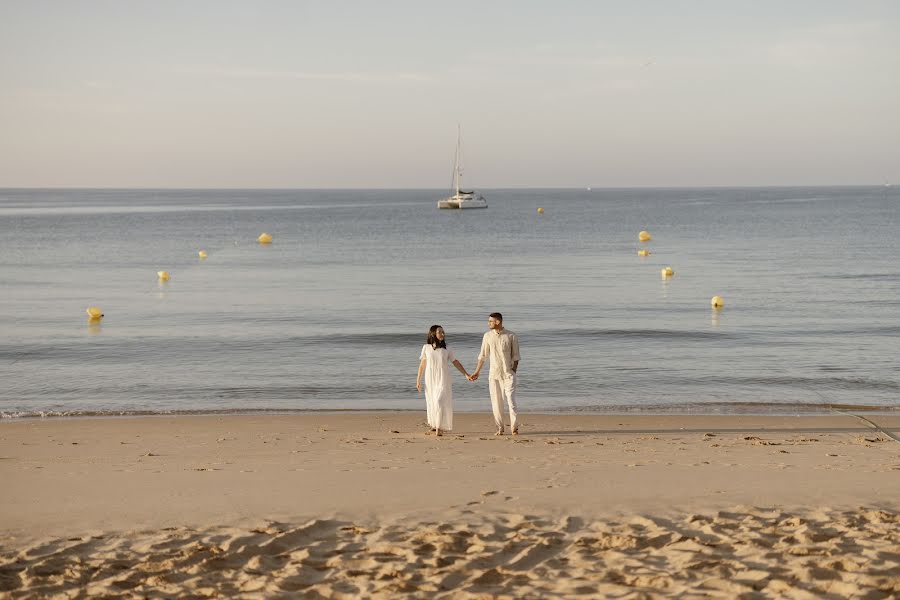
(499, 345)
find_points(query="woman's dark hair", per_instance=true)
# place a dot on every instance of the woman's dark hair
(432, 338)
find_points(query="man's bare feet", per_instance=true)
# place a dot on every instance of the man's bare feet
(439, 433)
(499, 432)
(515, 432)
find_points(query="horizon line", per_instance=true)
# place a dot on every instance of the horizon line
(411, 188)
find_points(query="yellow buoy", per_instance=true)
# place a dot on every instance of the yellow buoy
(643, 253)
(94, 313)
(163, 275)
(202, 254)
(667, 272)
(644, 236)
(717, 302)
(264, 238)
(540, 210)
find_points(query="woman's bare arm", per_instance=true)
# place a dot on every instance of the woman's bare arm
(459, 366)
(419, 376)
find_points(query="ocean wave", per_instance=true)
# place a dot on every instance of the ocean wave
(862, 276)
(814, 384)
(869, 330)
(730, 408)
(637, 333)
(213, 347)
(46, 414)
(634, 386)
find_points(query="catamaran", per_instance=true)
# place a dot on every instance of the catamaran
(461, 198)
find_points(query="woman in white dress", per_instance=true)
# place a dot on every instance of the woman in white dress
(434, 363)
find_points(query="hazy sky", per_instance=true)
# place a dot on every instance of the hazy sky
(368, 94)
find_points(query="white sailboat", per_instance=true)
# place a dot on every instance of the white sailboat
(461, 198)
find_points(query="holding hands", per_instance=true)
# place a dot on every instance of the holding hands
(473, 376)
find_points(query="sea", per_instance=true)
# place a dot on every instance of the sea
(332, 315)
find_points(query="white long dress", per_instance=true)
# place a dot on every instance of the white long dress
(438, 386)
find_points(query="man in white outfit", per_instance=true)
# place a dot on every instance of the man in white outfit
(502, 347)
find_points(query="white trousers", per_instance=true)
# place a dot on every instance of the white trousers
(504, 390)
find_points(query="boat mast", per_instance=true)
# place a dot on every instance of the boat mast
(456, 171)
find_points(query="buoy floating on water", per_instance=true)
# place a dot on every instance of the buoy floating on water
(540, 210)
(643, 253)
(264, 238)
(163, 275)
(644, 236)
(94, 313)
(717, 302)
(202, 254)
(667, 272)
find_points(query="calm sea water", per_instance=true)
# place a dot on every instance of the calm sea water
(333, 314)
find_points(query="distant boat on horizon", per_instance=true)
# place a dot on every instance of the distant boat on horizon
(461, 199)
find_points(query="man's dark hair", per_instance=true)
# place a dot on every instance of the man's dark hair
(432, 338)
(497, 316)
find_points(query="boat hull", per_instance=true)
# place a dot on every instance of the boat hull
(462, 203)
(458, 206)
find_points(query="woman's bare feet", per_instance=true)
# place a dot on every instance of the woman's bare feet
(439, 433)
(515, 431)
(499, 432)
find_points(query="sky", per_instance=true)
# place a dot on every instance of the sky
(340, 94)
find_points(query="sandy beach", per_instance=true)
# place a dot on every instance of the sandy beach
(340, 505)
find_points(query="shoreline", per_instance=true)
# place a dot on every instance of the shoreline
(725, 409)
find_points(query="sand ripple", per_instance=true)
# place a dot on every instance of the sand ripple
(745, 553)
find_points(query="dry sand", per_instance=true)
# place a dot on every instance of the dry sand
(365, 504)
